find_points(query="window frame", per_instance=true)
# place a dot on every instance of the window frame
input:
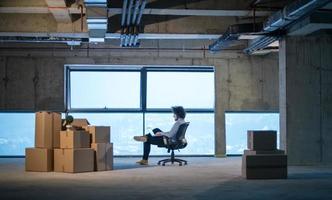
(143, 86)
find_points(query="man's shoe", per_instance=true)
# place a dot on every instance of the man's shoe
(141, 138)
(143, 162)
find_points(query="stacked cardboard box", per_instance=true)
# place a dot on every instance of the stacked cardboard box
(47, 137)
(100, 137)
(74, 154)
(263, 160)
(70, 150)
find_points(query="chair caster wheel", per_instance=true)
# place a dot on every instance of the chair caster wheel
(163, 164)
(180, 164)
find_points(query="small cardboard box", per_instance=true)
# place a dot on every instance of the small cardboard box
(100, 134)
(38, 159)
(72, 139)
(265, 173)
(103, 156)
(80, 123)
(262, 140)
(251, 152)
(74, 160)
(47, 129)
(264, 160)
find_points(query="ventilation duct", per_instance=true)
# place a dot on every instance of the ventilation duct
(277, 24)
(96, 11)
(232, 34)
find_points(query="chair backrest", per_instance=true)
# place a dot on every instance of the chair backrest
(181, 133)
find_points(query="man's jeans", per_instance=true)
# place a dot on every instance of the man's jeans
(155, 140)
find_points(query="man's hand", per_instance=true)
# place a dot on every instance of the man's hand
(158, 134)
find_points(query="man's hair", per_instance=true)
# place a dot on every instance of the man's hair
(179, 111)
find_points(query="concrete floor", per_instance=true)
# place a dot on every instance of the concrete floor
(203, 178)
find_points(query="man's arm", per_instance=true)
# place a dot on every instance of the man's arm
(172, 132)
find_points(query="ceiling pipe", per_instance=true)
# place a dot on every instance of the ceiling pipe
(133, 22)
(123, 19)
(277, 25)
(127, 36)
(139, 18)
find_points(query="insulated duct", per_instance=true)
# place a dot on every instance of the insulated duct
(232, 34)
(96, 11)
(277, 24)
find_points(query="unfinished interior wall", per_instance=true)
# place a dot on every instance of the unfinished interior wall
(305, 99)
(33, 78)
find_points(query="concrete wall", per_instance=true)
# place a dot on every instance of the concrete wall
(305, 99)
(36, 77)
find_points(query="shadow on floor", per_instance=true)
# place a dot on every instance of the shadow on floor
(310, 176)
(123, 166)
(311, 185)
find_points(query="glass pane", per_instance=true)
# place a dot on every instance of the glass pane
(188, 89)
(237, 125)
(17, 132)
(105, 89)
(124, 126)
(200, 133)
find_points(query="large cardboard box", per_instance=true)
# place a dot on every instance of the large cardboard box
(38, 159)
(265, 173)
(262, 140)
(47, 129)
(252, 152)
(264, 166)
(71, 139)
(100, 134)
(103, 156)
(74, 160)
(264, 160)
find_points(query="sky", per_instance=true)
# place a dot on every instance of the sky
(122, 90)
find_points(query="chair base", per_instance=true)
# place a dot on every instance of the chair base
(180, 161)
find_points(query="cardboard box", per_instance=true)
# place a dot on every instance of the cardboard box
(100, 134)
(262, 140)
(80, 122)
(47, 130)
(265, 173)
(74, 160)
(38, 159)
(251, 152)
(264, 160)
(72, 139)
(103, 156)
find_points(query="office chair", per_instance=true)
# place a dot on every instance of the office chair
(180, 143)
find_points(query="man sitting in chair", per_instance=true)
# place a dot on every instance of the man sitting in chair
(179, 114)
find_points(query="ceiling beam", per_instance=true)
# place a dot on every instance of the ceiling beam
(143, 36)
(56, 7)
(37, 10)
(147, 11)
(196, 12)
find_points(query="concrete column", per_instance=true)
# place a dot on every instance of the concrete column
(305, 104)
(220, 131)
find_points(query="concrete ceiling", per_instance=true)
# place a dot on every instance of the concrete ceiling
(64, 16)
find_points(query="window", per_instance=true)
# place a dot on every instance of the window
(237, 125)
(189, 89)
(17, 132)
(200, 132)
(105, 89)
(131, 99)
